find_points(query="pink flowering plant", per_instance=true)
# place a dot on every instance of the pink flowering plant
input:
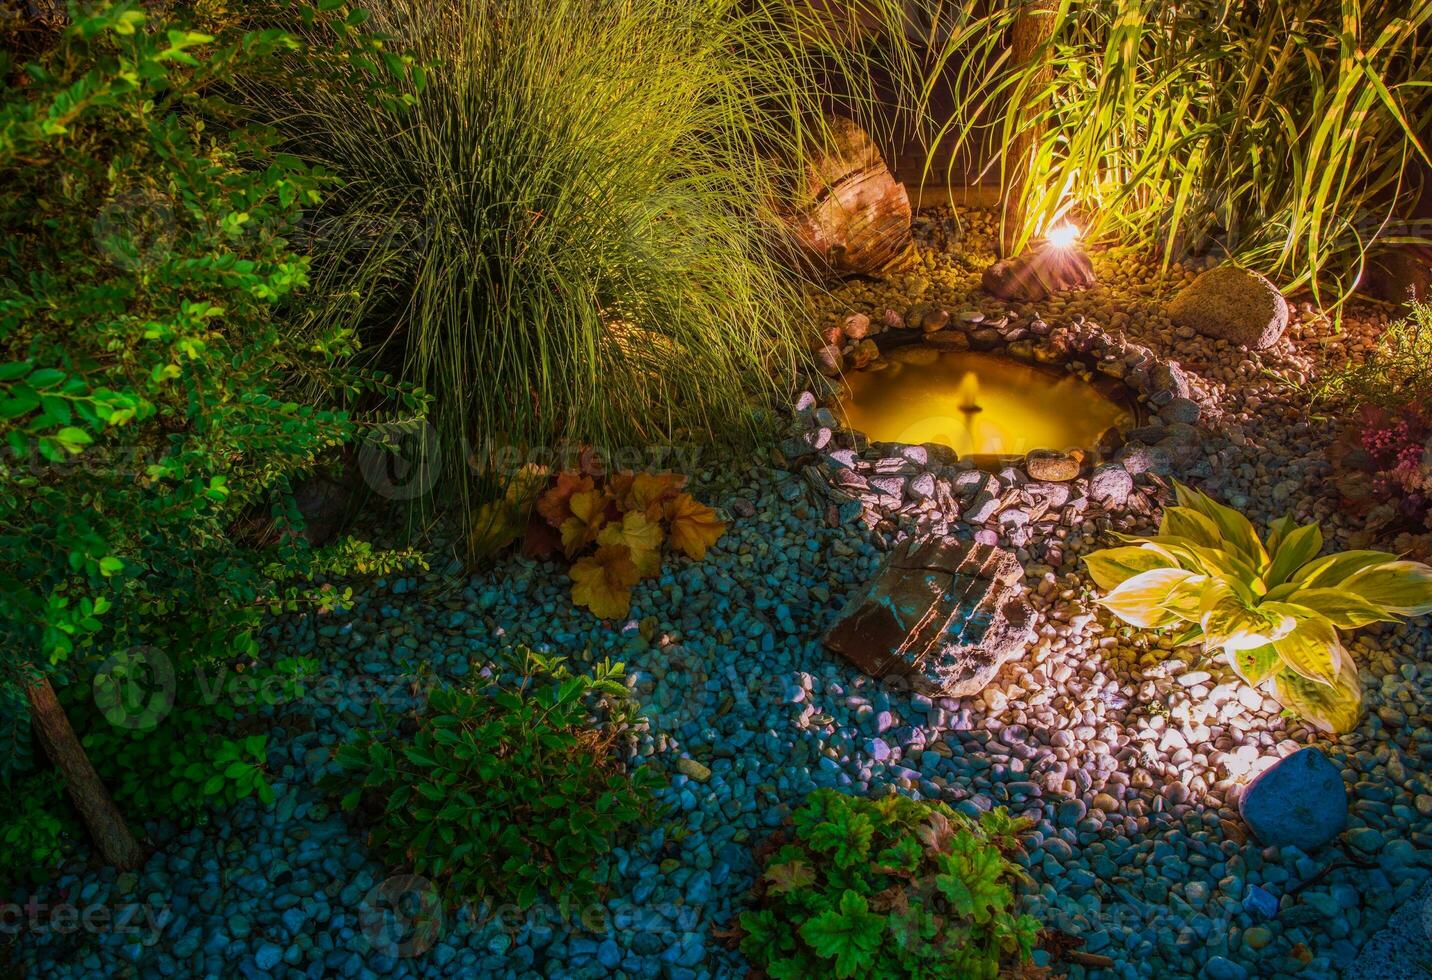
(1383, 459)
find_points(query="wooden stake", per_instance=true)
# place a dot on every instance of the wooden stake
(1029, 41)
(102, 818)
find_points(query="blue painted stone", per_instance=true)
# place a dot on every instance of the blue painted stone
(1221, 968)
(1299, 801)
(268, 956)
(1260, 901)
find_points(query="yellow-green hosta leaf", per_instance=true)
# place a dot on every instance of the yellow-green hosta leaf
(1139, 601)
(1277, 531)
(1312, 649)
(1178, 551)
(1401, 587)
(1232, 569)
(1186, 598)
(1112, 567)
(1331, 571)
(1342, 608)
(1236, 531)
(1183, 522)
(1296, 550)
(1231, 623)
(1204, 560)
(1335, 707)
(1255, 665)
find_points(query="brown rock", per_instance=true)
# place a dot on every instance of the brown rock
(1052, 466)
(828, 360)
(851, 217)
(1232, 304)
(856, 326)
(935, 320)
(865, 353)
(948, 340)
(946, 614)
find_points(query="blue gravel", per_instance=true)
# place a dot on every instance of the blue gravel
(726, 657)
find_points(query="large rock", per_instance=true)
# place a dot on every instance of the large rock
(852, 217)
(945, 614)
(1301, 801)
(1232, 304)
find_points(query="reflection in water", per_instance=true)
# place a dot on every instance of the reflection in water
(978, 404)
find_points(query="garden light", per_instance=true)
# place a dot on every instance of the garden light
(1063, 235)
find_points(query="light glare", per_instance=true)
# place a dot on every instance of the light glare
(1062, 235)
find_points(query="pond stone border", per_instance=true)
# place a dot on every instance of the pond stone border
(898, 489)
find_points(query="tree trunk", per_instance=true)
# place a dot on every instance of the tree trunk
(1029, 41)
(106, 826)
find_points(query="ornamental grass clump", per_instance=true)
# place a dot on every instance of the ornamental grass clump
(891, 888)
(1272, 608)
(1286, 135)
(568, 239)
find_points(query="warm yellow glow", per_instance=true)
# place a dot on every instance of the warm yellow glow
(1062, 235)
(978, 404)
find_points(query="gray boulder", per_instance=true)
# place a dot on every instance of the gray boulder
(1232, 304)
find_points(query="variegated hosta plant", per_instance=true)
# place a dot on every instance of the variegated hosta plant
(1273, 608)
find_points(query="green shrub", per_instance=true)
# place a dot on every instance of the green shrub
(1272, 609)
(152, 394)
(1395, 375)
(185, 767)
(893, 888)
(36, 831)
(506, 791)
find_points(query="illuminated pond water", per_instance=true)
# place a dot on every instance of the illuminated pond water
(981, 405)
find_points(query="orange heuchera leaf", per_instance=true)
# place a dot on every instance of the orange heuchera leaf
(641, 536)
(541, 539)
(589, 514)
(651, 491)
(602, 581)
(555, 505)
(694, 526)
(619, 486)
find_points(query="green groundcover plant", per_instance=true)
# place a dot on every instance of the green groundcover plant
(150, 386)
(1271, 607)
(507, 791)
(890, 888)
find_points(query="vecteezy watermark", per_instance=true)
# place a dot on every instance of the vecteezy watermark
(401, 460)
(277, 684)
(401, 917)
(64, 918)
(134, 688)
(136, 229)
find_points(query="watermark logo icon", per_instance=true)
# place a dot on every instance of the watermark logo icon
(402, 916)
(136, 229)
(399, 460)
(134, 688)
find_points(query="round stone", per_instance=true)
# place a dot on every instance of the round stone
(1232, 304)
(1300, 800)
